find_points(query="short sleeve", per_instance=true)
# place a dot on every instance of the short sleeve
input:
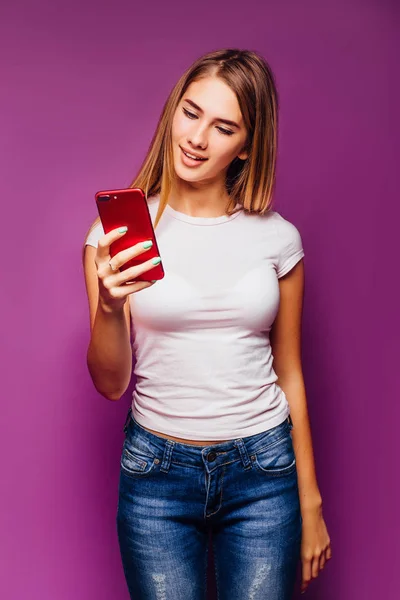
(92, 239)
(290, 246)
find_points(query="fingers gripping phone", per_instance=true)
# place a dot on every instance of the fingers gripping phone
(128, 207)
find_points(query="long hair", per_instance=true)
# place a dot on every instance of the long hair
(249, 182)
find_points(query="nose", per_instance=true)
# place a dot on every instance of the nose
(197, 138)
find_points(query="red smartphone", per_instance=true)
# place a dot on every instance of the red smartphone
(128, 207)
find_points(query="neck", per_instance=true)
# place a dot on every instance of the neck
(198, 201)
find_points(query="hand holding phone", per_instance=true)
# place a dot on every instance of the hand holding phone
(128, 208)
(116, 284)
(120, 268)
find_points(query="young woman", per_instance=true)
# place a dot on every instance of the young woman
(210, 445)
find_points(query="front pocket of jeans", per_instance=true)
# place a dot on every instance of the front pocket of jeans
(278, 460)
(136, 464)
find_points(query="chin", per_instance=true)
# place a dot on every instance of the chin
(184, 175)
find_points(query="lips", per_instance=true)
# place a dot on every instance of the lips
(190, 155)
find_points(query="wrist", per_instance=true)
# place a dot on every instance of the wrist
(110, 309)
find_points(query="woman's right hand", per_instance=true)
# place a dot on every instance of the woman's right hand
(113, 287)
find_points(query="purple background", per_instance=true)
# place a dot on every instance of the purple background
(82, 86)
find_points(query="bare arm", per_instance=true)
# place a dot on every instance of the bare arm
(286, 348)
(109, 355)
(286, 343)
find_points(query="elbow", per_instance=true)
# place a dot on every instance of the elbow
(107, 387)
(113, 396)
(110, 386)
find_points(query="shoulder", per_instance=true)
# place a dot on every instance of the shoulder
(285, 229)
(289, 243)
(94, 234)
(152, 203)
(272, 223)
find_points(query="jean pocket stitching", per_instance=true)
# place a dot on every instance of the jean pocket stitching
(276, 472)
(271, 444)
(144, 467)
(136, 448)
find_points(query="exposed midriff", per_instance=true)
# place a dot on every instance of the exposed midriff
(182, 440)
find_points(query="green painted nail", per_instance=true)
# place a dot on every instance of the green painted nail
(147, 244)
(122, 229)
(156, 260)
(154, 281)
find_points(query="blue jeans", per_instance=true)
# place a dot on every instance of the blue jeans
(242, 492)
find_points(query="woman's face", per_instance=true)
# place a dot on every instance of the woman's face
(200, 127)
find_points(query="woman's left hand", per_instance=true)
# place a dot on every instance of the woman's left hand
(315, 545)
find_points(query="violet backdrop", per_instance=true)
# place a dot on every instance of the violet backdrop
(83, 84)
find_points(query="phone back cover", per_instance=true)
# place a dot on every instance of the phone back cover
(128, 207)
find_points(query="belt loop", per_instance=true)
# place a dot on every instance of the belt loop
(240, 445)
(127, 420)
(290, 421)
(166, 461)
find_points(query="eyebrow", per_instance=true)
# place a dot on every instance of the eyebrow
(226, 121)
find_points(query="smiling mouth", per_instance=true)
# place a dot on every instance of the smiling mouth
(191, 156)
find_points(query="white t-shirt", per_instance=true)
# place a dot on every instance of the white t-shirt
(203, 361)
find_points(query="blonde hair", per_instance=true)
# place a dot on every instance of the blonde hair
(249, 182)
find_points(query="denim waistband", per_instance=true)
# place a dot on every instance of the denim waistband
(194, 454)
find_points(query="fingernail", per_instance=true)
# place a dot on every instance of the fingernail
(156, 260)
(153, 280)
(122, 229)
(147, 244)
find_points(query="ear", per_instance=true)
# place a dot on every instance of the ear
(243, 155)
(244, 152)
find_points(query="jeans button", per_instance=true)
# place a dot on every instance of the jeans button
(211, 456)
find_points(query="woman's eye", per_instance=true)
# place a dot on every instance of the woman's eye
(191, 115)
(225, 131)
